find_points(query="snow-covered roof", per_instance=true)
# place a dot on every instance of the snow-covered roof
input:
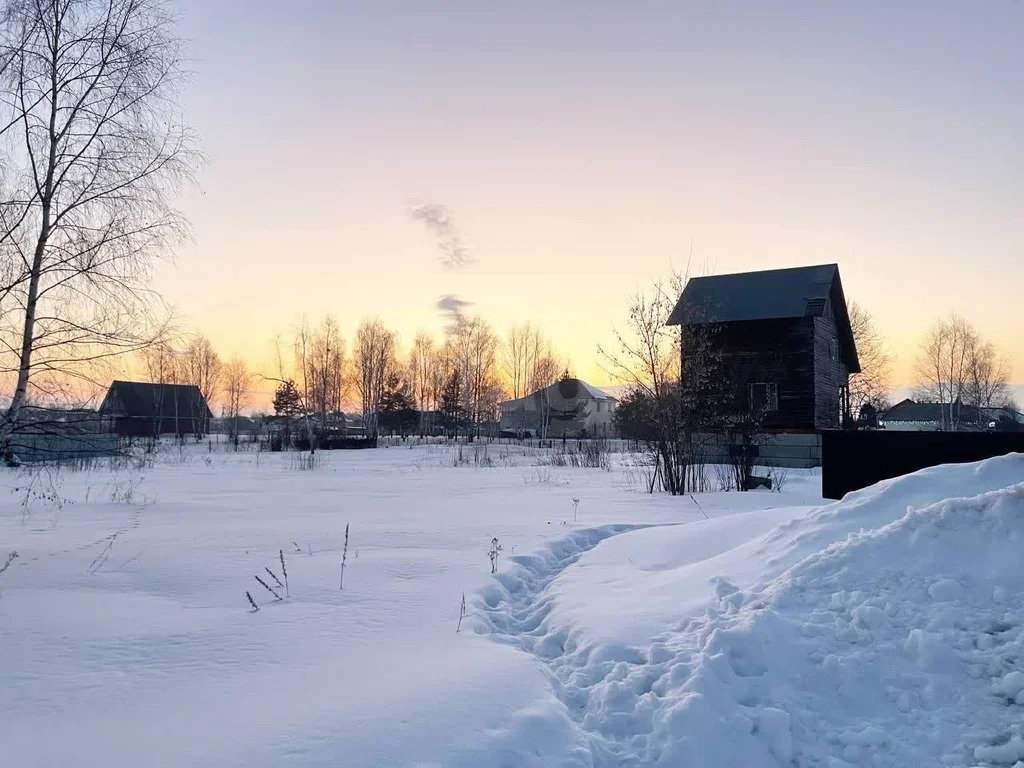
(570, 389)
(597, 394)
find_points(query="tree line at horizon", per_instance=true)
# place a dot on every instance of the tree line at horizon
(93, 152)
(460, 379)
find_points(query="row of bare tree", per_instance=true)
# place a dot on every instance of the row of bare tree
(957, 367)
(193, 360)
(461, 378)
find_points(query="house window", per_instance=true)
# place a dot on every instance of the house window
(763, 396)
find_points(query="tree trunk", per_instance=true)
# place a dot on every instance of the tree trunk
(28, 332)
(32, 298)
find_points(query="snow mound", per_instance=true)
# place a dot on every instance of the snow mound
(884, 502)
(884, 630)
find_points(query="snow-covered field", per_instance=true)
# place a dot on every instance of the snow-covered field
(760, 629)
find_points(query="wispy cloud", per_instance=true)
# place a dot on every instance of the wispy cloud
(451, 308)
(452, 251)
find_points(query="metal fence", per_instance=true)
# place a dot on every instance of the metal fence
(56, 447)
(855, 460)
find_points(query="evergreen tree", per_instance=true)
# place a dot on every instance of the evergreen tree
(395, 411)
(287, 400)
(453, 412)
(636, 417)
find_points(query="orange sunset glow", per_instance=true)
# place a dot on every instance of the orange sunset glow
(583, 155)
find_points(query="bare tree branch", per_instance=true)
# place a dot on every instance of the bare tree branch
(88, 121)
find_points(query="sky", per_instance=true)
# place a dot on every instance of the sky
(584, 149)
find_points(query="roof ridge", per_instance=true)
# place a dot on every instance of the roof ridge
(764, 271)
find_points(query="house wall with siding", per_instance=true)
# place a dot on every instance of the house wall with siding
(830, 374)
(791, 450)
(595, 417)
(55, 447)
(779, 351)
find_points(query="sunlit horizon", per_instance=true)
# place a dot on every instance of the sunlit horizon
(584, 156)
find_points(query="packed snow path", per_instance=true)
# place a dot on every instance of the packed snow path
(515, 610)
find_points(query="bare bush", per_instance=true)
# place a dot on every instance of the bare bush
(544, 476)
(779, 477)
(10, 559)
(725, 478)
(306, 462)
(493, 553)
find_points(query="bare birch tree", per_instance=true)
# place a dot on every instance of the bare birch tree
(325, 361)
(302, 349)
(422, 361)
(957, 367)
(475, 347)
(528, 361)
(515, 357)
(944, 367)
(441, 372)
(871, 385)
(373, 358)
(988, 379)
(237, 387)
(161, 361)
(89, 130)
(201, 367)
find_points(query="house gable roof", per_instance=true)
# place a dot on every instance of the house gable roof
(142, 399)
(570, 389)
(592, 391)
(910, 411)
(773, 294)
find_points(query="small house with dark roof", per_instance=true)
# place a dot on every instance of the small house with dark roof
(784, 339)
(145, 409)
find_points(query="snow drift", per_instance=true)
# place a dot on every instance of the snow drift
(886, 629)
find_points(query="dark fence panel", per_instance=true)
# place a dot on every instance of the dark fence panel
(335, 443)
(854, 460)
(51, 447)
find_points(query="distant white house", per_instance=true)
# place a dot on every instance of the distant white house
(910, 416)
(569, 408)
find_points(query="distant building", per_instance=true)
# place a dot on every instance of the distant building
(227, 425)
(143, 409)
(911, 416)
(55, 434)
(569, 408)
(784, 340)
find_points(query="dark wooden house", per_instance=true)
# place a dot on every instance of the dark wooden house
(143, 409)
(784, 340)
